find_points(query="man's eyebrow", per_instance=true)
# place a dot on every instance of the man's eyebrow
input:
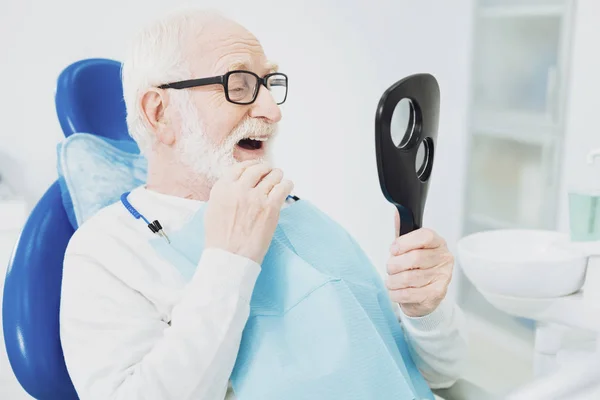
(237, 65)
(270, 66)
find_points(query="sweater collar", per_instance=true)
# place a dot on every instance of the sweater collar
(171, 211)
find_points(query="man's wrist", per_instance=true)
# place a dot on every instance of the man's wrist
(223, 267)
(431, 321)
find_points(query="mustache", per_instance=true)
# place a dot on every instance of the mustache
(251, 127)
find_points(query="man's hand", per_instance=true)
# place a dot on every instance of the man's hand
(419, 271)
(243, 209)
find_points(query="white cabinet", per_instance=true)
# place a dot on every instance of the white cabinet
(517, 114)
(517, 117)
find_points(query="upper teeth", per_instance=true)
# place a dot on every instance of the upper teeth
(260, 139)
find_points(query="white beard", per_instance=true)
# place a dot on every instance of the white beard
(200, 153)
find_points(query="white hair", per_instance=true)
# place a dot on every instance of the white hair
(156, 56)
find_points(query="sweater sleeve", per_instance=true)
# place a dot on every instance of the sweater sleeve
(438, 343)
(117, 347)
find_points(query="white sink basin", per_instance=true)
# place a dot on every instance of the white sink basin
(522, 263)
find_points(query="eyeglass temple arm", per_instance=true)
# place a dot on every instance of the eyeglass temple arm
(193, 83)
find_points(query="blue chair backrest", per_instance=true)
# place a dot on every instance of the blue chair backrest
(89, 98)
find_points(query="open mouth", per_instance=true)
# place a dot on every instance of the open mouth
(252, 143)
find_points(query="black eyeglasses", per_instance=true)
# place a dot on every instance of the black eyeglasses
(241, 87)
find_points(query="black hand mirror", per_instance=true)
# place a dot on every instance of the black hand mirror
(406, 128)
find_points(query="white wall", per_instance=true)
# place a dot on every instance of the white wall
(340, 55)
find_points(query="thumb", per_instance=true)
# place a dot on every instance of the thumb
(396, 221)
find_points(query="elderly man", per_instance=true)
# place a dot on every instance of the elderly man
(250, 293)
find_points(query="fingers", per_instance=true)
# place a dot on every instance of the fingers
(238, 169)
(415, 278)
(269, 181)
(263, 177)
(430, 293)
(420, 239)
(408, 296)
(417, 259)
(254, 174)
(281, 191)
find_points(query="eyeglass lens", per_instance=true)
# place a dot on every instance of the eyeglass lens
(241, 87)
(277, 84)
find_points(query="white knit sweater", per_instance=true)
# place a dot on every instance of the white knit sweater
(132, 328)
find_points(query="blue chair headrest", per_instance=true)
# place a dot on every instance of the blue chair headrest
(89, 99)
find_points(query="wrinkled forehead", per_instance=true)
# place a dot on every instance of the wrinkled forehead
(226, 46)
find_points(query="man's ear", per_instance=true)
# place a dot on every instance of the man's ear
(153, 105)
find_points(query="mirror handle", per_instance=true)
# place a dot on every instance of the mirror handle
(407, 223)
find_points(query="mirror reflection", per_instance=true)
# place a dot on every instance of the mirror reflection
(421, 160)
(403, 123)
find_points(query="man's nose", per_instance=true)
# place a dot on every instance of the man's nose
(265, 106)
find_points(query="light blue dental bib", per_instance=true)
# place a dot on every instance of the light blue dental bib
(321, 325)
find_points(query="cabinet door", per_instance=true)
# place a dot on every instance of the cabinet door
(516, 71)
(510, 184)
(517, 113)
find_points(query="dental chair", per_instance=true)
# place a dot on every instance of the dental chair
(89, 98)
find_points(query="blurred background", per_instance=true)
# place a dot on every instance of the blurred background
(518, 116)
